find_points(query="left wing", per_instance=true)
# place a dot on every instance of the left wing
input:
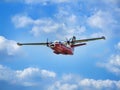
(20, 44)
(86, 40)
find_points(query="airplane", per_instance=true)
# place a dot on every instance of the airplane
(64, 47)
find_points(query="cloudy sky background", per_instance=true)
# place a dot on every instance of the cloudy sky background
(95, 66)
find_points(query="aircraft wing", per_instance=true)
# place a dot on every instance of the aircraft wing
(20, 44)
(86, 40)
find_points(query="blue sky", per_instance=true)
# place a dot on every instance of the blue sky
(95, 66)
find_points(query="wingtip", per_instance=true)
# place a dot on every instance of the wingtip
(103, 37)
(19, 44)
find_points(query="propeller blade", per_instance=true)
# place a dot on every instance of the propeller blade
(47, 42)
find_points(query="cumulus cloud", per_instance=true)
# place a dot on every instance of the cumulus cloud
(45, 25)
(99, 34)
(60, 86)
(28, 77)
(101, 20)
(48, 25)
(12, 1)
(48, 80)
(105, 21)
(77, 83)
(67, 21)
(37, 26)
(91, 84)
(118, 46)
(30, 72)
(8, 47)
(113, 63)
(71, 23)
(116, 2)
(22, 21)
(45, 1)
(6, 73)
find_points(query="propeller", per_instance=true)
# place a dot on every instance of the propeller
(73, 39)
(68, 40)
(47, 42)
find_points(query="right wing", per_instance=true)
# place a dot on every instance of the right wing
(86, 40)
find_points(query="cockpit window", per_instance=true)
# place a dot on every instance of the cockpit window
(56, 41)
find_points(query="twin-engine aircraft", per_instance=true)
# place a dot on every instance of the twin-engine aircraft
(65, 47)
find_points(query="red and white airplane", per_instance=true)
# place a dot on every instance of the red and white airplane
(65, 47)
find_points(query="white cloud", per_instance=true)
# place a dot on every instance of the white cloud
(68, 22)
(8, 46)
(102, 20)
(72, 19)
(37, 77)
(44, 25)
(37, 26)
(112, 1)
(27, 77)
(74, 82)
(44, 2)
(13, 1)
(99, 84)
(68, 27)
(35, 1)
(6, 73)
(106, 21)
(74, 31)
(59, 86)
(95, 83)
(22, 21)
(118, 46)
(65, 22)
(99, 34)
(113, 65)
(46, 73)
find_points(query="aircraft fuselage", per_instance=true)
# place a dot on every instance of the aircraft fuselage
(59, 48)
